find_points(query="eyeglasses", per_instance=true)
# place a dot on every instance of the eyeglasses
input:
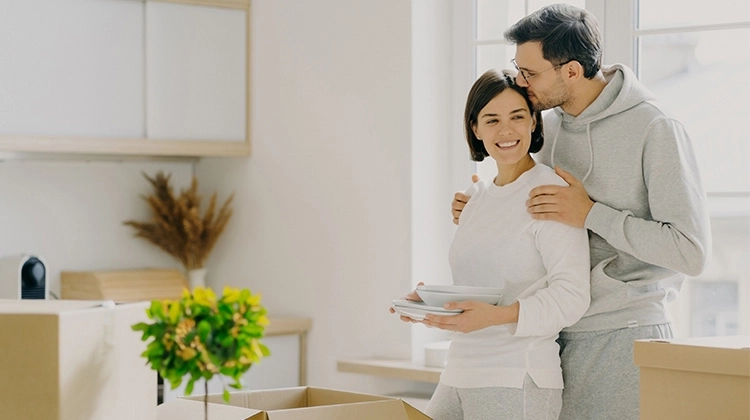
(528, 77)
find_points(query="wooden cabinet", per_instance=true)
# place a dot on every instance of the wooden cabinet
(125, 77)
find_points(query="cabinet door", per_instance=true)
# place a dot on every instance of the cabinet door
(196, 58)
(72, 68)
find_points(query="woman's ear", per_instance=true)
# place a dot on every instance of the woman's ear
(533, 121)
(474, 129)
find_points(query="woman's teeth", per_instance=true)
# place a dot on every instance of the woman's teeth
(507, 144)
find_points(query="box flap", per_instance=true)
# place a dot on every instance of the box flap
(266, 399)
(322, 396)
(313, 403)
(720, 355)
(414, 414)
(286, 398)
(185, 409)
(391, 409)
(276, 399)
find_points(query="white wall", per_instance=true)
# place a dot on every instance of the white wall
(70, 211)
(322, 223)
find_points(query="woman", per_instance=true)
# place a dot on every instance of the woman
(503, 361)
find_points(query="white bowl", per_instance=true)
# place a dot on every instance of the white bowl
(469, 290)
(439, 299)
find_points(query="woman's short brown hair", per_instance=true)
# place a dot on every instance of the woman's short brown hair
(489, 85)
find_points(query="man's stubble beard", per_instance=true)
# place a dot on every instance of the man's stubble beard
(555, 96)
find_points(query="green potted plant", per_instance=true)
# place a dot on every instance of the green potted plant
(200, 336)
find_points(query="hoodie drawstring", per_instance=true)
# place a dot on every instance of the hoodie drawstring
(591, 153)
(591, 148)
(554, 143)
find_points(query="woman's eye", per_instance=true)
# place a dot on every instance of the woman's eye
(491, 121)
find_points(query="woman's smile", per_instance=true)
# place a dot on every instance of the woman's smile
(507, 144)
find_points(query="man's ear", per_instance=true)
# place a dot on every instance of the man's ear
(573, 71)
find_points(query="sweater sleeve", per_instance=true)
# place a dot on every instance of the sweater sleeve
(677, 233)
(566, 296)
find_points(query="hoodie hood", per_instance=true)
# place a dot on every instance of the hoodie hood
(623, 92)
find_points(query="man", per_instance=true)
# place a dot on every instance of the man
(633, 183)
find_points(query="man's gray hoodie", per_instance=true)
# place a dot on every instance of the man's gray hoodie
(649, 226)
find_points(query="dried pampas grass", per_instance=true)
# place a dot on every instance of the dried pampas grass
(177, 226)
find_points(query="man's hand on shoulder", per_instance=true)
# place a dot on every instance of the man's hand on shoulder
(459, 201)
(569, 205)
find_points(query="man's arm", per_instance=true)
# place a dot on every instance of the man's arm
(678, 234)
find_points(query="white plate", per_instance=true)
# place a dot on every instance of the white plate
(419, 314)
(468, 290)
(412, 304)
(440, 298)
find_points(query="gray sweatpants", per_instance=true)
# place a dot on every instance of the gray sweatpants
(529, 403)
(601, 380)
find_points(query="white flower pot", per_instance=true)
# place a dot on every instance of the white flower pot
(197, 278)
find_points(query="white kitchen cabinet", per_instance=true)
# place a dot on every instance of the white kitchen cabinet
(125, 77)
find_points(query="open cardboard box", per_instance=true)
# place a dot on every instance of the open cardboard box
(299, 403)
(696, 378)
(74, 360)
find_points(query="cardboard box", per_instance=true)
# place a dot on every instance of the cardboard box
(74, 360)
(123, 285)
(697, 378)
(300, 403)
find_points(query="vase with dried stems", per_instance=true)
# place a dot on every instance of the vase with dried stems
(179, 228)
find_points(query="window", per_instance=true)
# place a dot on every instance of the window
(697, 61)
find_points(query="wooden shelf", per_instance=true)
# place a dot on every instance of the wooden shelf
(401, 369)
(112, 146)
(287, 325)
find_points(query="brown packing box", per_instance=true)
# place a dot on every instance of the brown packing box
(696, 378)
(74, 360)
(123, 285)
(300, 403)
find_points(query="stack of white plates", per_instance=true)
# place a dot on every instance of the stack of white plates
(435, 297)
(417, 310)
(440, 295)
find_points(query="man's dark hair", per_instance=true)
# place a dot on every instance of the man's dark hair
(565, 32)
